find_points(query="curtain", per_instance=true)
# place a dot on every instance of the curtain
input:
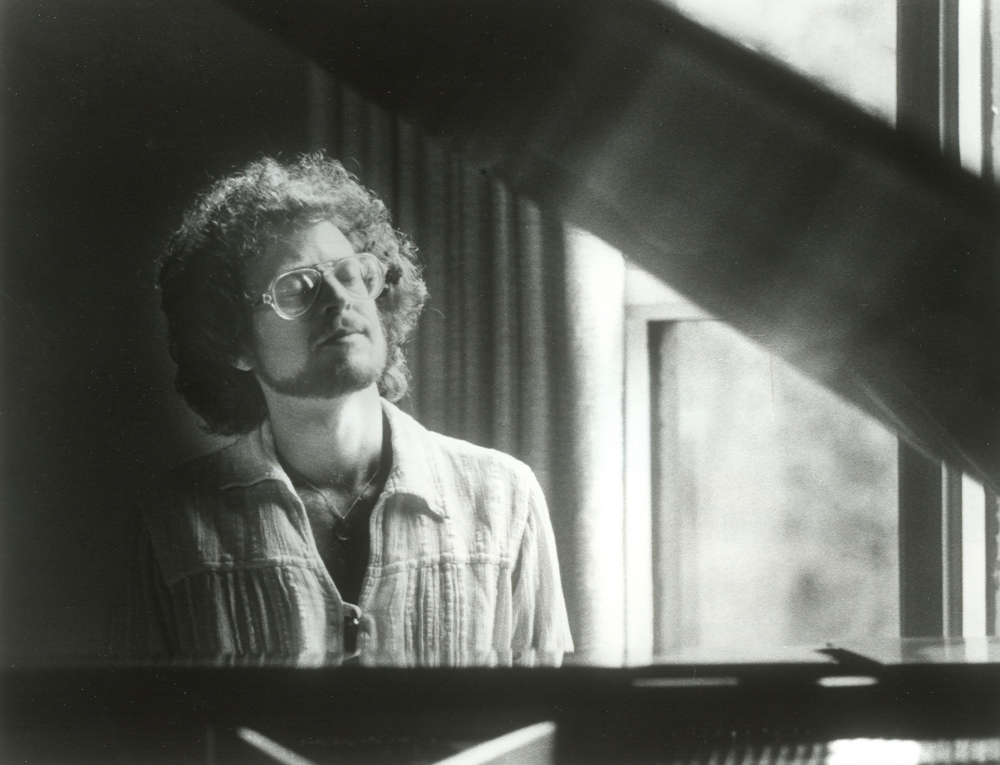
(520, 345)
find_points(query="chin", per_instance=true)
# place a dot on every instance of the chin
(351, 381)
(329, 380)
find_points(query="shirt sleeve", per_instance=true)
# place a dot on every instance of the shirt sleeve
(541, 632)
(143, 630)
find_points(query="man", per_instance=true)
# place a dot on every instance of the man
(335, 528)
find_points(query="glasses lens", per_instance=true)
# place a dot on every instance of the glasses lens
(296, 291)
(362, 276)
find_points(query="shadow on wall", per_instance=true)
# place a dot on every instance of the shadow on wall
(114, 116)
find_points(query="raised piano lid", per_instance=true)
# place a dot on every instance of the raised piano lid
(855, 253)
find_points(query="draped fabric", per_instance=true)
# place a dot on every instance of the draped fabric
(500, 357)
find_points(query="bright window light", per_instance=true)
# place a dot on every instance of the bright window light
(873, 751)
(973, 558)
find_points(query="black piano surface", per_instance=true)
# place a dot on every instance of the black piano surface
(790, 708)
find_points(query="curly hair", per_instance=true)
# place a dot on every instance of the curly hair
(202, 288)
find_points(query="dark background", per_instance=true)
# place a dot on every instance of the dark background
(114, 114)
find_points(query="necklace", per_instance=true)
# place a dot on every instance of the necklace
(343, 530)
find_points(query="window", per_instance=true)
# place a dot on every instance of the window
(760, 507)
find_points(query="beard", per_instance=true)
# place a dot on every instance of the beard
(333, 372)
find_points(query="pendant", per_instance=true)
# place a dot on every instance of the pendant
(343, 532)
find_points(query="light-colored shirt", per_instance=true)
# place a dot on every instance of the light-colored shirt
(462, 569)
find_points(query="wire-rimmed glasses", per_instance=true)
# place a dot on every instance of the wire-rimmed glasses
(294, 292)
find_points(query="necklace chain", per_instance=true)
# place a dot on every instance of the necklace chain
(341, 530)
(329, 506)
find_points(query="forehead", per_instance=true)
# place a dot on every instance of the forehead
(317, 243)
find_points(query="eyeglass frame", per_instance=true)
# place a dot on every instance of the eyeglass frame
(268, 297)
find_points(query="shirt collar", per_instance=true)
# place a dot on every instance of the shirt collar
(414, 470)
(252, 459)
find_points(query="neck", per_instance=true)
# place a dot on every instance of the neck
(334, 442)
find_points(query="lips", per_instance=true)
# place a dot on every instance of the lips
(339, 334)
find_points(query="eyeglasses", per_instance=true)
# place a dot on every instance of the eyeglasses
(294, 292)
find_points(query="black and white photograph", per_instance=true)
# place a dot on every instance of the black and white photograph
(499, 381)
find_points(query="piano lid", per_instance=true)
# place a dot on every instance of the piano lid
(854, 252)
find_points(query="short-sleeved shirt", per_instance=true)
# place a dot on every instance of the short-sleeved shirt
(462, 568)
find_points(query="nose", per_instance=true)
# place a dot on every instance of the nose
(333, 296)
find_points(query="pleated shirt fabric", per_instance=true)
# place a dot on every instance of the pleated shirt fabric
(462, 571)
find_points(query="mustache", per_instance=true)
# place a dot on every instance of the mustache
(341, 328)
